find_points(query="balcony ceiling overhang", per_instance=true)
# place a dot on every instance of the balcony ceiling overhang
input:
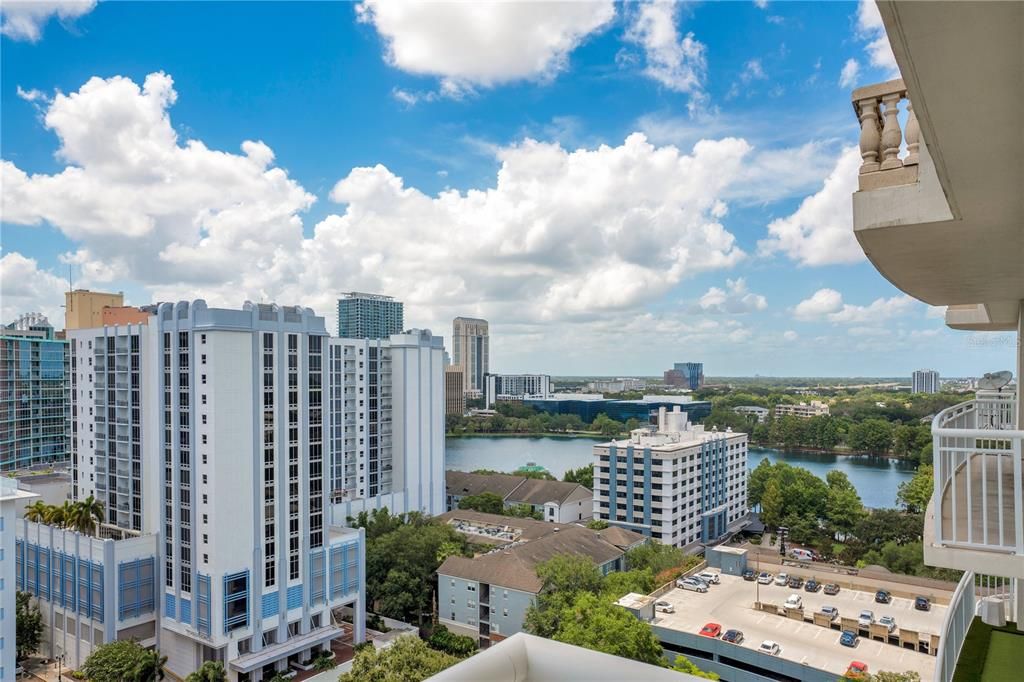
(960, 241)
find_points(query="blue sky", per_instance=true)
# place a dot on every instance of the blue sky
(615, 187)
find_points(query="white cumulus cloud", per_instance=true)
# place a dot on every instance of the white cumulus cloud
(677, 62)
(871, 29)
(24, 19)
(820, 231)
(569, 235)
(848, 76)
(734, 299)
(470, 44)
(26, 289)
(827, 304)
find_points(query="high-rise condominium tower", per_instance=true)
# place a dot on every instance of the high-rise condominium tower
(33, 398)
(471, 352)
(369, 316)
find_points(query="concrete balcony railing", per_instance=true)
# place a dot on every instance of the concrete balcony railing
(977, 504)
(877, 109)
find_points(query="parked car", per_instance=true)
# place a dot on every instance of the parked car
(769, 647)
(831, 589)
(795, 582)
(711, 630)
(882, 597)
(733, 636)
(781, 579)
(664, 607)
(857, 671)
(830, 611)
(765, 579)
(802, 554)
(794, 602)
(888, 621)
(922, 604)
(692, 585)
(709, 577)
(749, 575)
(866, 618)
(812, 585)
(849, 638)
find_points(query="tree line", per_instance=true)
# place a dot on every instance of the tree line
(515, 418)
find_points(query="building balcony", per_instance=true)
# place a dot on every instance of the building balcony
(939, 206)
(975, 520)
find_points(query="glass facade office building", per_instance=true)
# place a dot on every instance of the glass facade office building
(33, 368)
(369, 316)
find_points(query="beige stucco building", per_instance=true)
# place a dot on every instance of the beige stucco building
(83, 309)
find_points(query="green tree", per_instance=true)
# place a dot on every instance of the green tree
(772, 504)
(209, 671)
(569, 573)
(870, 435)
(487, 502)
(124, 661)
(654, 557)
(597, 524)
(36, 511)
(445, 640)
(28, 625)
(606, 425)
(597, 624)
(88, 513)
(324, 661)
(620, 583)
(409, 659)
(530, 473)
(583, 476)
(915, 494)
(884, 676)
(685, 665)
(402, 556)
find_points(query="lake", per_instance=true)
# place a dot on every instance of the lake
(876, 478)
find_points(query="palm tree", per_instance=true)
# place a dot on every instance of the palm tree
(36, 511)
(89, 513)
(210, 671)
(150, 667)
(59, 516)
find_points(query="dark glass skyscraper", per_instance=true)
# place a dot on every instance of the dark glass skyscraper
(369, 316)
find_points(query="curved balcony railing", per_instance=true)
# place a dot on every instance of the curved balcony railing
(978, 472)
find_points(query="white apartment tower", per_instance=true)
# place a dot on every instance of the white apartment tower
(925, 381)
(677, 483)
(209, 427)
(516, 387)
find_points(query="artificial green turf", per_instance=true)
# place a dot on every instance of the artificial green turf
(1005, 658)
(990, 654)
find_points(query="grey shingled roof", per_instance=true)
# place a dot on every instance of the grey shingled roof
(514, 489)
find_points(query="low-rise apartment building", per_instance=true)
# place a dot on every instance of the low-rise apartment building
(557, 501)
(676, 483)
(815, 408)
(487, 596)
(760, 412)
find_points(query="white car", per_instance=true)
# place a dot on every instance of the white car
(830, 611)
(692, 585)
(866, 618)
(794, 602)
(782, 579)
(709, 577)
(664, 607)
(888, 621)
(764, 579)
(769, 647)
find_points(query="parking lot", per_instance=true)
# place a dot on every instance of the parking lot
(731, 604)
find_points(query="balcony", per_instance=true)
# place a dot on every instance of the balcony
(975, 520)
(939, 206)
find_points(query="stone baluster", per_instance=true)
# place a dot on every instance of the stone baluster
(891, 134)
(913, 135)
(869, 135)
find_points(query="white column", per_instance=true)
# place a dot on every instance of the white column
(1020, 365)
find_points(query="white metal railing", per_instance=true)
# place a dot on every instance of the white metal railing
(978, 472)
(877, 109)
(955, 624)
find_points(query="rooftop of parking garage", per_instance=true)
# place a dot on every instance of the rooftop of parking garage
(731, 604)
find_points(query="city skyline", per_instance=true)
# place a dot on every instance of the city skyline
(743, 255)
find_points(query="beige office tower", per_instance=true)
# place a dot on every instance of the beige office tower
(83, 309)
(471, 352)
(454, 395)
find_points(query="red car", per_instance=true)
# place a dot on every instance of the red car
(857, 671)
(711, 630)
